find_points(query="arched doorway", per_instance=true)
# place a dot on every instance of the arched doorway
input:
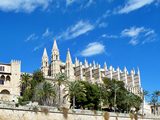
(5, 92)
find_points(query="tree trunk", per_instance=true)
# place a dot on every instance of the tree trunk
(74, 100)
(59, 104)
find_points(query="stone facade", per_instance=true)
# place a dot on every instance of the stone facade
(88, 72)
(10, 75)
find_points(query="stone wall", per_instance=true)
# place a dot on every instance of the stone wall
(26, 114)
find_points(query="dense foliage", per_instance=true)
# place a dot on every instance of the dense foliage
(110, 95)
(35, 88)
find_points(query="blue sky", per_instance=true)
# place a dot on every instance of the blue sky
(122, 33)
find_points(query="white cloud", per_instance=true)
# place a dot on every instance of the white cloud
(47, 33)
(69, 2)
(132, 5)
(109, 36)
(102, 25)
(133, 42)
(88, 4)
(82, 3)
(132, 32)
(31, 37)
(80, 28)
(38, 47)
(23, 5)
(139, 35)
(93, 49)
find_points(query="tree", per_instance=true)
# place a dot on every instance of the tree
(154, 99)
(37, 78)
(45, 93)
(75, 89)
(25, 82)
(119, 97)
(29, 83)
(137, 101)
(60, 79)
(157, 93)
(91, 98)
(128, 101)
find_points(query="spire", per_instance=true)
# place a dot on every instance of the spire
(94, 65)
(44, 67)
(55, 45)
(118, 69)
(68, 59)
(76, 62)
(118, 73)
(110, 68)
(85, 63)
(105, 65)
(125, 69)
(69, 67)
(133, 71)
(138, 71)
(139, 77)
(45, 53)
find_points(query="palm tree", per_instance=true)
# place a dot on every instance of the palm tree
(74, 89)
(157, 93)
(154, 99)
(128, 101)
(45, 93)
(25, 82)
(60, 79)
(144, 94)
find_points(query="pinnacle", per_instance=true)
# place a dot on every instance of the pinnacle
(55, 47)
(45, 53)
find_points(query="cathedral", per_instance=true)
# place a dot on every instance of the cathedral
(92, 72)
(10, 73)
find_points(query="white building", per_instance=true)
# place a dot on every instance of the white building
(10, 75)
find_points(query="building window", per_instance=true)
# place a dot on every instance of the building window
(56, 57)
(2, 79)
(8, 78)
(1, 68)
(1, 82)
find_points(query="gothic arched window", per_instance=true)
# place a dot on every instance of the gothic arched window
(8, 78)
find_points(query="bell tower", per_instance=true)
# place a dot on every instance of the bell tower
(55, 60)
(45, 63)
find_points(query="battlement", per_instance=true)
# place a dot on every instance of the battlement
(16, 61)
